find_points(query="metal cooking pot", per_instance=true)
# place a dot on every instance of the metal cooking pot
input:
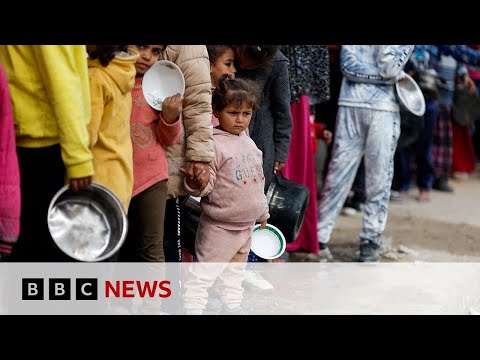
(88, 225)
(288, 202)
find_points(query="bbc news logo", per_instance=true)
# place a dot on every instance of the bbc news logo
(59, 289)
(87, 289)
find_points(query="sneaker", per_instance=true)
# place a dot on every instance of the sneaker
(255, 280)
(397, 196)
(442, 185)
(235, 309)
(214, 304)
(325, 254)
(369, 252)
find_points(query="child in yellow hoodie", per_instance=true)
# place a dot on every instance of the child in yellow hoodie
(111, 70)
(50, 96)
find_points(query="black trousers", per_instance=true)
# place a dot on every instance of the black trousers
(42, 174)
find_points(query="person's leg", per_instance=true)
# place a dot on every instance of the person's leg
(347, 151)
(42, 174)
(402, 169)
(381, 142)
(214, 248)
(423, 149)
(231, 289)
(442, 148)
(150, 207)
(147, 212)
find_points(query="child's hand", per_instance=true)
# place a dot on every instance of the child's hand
(327, 136)
(201, 172)
(263, 224)
(196, 176)
(172, 108)
(191, 180)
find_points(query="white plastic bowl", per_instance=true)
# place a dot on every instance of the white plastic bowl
(268, 243)
(162, 80)
(410, 95)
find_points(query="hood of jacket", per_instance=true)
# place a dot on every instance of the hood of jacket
(123, 63)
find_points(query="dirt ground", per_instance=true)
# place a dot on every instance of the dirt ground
(446, 229)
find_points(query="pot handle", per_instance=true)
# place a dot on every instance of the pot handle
(278, 176)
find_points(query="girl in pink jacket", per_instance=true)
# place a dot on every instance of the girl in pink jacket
(151, 132)
(232, 201)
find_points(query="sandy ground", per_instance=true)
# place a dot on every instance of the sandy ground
(446, 229)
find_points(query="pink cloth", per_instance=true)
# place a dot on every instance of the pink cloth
(151, 135)
(9, 173)
(234, 197)
(463, 157)
(300, 167)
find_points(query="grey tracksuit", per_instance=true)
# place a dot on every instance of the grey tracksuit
(368, 124)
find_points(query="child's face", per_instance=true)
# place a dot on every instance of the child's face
(149, 55)
(234, 119)
(223, 65)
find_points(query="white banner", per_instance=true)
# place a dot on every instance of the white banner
(297, 288)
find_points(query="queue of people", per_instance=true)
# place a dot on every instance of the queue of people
(73, 114)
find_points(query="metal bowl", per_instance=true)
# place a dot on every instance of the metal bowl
(410, 95)
(88, 225)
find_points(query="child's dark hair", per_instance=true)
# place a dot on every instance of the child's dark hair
(105, 53)
(239, 91)
(215, 51)
(261, 55)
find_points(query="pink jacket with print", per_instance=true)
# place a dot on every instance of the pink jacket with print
(9, 174)
(234, 197)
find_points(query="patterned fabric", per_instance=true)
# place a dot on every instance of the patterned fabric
(308, 72)
(234, 198)
(151, 136)
(442, 142)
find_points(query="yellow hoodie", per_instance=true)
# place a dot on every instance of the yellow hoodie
(51, 100)
(109, 129)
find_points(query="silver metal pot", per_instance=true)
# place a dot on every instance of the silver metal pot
(88, 225)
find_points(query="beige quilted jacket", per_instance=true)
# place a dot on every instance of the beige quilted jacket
(196, 143)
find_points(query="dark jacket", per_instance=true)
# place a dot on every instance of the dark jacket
(271, 125)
